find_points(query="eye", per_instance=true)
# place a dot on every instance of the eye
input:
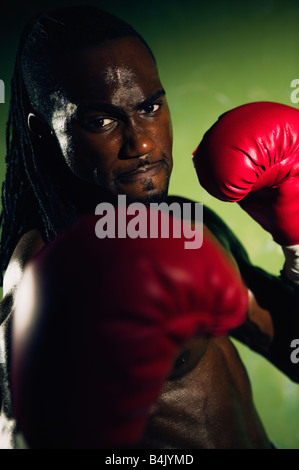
(98, 124)
(150, 108)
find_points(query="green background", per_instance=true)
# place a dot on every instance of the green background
(212, 56)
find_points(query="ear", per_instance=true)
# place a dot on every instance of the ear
(38, 127)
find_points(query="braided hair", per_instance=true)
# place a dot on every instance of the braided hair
(40, 192)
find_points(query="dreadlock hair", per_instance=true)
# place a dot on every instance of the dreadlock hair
(36, 194)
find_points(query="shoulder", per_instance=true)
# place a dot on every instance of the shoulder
(28, 246)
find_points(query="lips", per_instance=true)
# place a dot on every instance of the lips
(146, 171)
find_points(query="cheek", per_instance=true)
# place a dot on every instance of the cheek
(87, 152)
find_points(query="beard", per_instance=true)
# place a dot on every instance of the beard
(151, 195)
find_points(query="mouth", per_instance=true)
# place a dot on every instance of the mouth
(146, 171)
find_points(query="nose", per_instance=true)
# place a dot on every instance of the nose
(137, 141)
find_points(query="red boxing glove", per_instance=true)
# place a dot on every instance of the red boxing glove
(96, 326)
(251, 155)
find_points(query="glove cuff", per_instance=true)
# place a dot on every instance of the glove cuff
(291, 266)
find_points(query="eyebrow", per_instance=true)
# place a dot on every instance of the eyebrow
(151, 99)
(115, 110)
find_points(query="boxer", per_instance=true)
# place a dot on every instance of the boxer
(89, 121)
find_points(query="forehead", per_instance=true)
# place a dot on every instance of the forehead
(99, 72)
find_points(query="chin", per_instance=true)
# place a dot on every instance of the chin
(148, 198)
(150, 191)
(149, 194)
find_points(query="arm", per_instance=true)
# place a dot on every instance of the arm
(30, 243)
(27, 247)
(272, 320)
(272, 317)
(250, 156)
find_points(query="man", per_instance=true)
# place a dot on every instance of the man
(88, 121)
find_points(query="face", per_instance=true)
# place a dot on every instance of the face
(112, 121)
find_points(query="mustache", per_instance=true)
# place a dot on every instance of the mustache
(140, 163)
